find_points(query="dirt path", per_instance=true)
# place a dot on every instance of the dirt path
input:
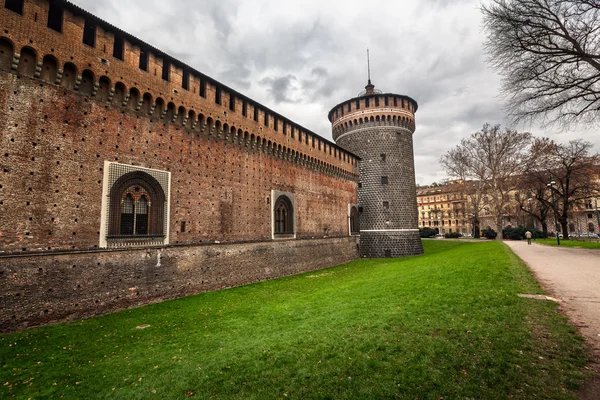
(572, 275)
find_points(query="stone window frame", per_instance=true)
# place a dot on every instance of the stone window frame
(118, 179)
(276, 196)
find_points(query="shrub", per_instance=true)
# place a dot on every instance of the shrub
(452, 235)
(489, 233)
(426, 232)
(517, 233)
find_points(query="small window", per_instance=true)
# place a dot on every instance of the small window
(55, 16)
(143, 59)
(395, 102)
(182, 226)
(349, 107)
(244, 108)
(376, 101)
(360, 185)
(275, 123)
(185, 79)
(266, 121)
(255, 113)
(384, 180)
(360, 209)
(357, 104)
(14, 5)
(202, 88)
(218, 94)
(382, 156)
(367, 102)
(386, 205)
(231, 102)
(166, 69)
(89, 33)
(387, 101)
(119, 47)
(590, 216)
(284, 128)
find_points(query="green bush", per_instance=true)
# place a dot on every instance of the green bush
(489, 233)
(513, 233)
(452, 235)
(426, 232)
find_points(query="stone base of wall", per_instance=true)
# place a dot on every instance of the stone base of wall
(390, 244)
(42, 288)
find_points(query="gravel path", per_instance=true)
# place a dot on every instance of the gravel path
(573, 276)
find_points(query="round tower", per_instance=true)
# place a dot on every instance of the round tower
(378, 127)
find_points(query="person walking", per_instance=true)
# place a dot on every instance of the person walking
(528, 236)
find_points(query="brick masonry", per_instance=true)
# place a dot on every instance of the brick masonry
(44, 288)
(66, 108)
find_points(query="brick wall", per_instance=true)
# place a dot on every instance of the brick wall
(43, 288)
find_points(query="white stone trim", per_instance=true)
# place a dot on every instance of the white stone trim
(363, 128)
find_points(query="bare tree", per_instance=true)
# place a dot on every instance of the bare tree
(573, 169)
(491, 159)
(548, 52)
(534, 199)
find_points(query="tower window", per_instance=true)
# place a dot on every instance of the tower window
(185, 79)
(244, 108)
(367, 102)
(118, 48)
(55, 16)
(232, 102)
(166, 69)
(357, 104)
(255, 113)
(202, 88)
(266, 121)
(384, 180)
(275, 123)
(387, 101)
(395, 102)
(143, 59)
(14, 5)
(349, 107)
(218, 94)
(182, 226)
(376, 101)
(89, 33)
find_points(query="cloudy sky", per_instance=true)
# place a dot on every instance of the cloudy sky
(301, 58)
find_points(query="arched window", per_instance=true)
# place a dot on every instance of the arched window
(284, 216)
(137, 204)
(6, 54)
(27, 62)
(354, 223)
(49, 69)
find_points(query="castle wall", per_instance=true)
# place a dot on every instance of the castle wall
(43, 288)
(67, 109)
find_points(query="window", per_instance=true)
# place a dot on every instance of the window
(384, 180)
(218, 94)
(357, 104)
(244, 108)
(255, 113)
(89, 33)
(590, 216)
(182, 226)
(231, 102)
(55, 16)
(266, 121)
(349, 107)
(386, 205)
(143, 59)
(118, 48)
(395, 102)
(382, 156)
(376, 101)
(137, 207)
(354, 221)
(202, 88)
(166, 69)
(388, 253)
(367, 102)
(387, 101)
(185, 79)
(284, 216)
(275, 123)
(14, 5)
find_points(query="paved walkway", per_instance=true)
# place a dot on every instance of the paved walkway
(573, 276)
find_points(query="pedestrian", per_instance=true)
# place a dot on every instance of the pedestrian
(528, 236)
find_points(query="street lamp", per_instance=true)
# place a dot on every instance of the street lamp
(530, 214)
(550, 185)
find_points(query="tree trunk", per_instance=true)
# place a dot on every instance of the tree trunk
(544, 228)
(499, 227)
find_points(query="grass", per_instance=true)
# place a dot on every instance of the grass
(569, 243)
(447, 324)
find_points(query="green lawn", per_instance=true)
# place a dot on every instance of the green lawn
(447, 324)
(570, 243)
